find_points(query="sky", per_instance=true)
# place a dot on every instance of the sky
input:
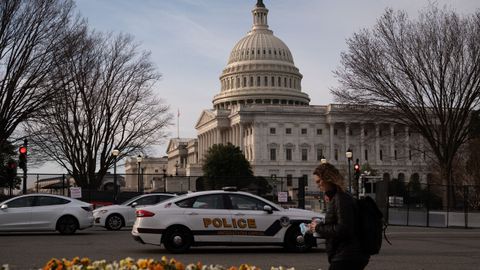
(190, 41)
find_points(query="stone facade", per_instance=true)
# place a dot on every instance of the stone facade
(261, 109)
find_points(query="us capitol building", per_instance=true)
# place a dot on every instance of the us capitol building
(262, 109)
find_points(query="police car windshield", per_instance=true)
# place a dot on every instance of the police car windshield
(155, 198)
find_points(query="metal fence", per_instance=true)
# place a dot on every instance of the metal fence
(434, 206)
(408, 204)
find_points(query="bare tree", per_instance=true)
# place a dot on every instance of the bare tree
(30, 32)
(422, 73)
(104, 102)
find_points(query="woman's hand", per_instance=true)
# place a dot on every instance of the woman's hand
(312, 225)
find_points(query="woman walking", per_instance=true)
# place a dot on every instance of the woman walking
(341, 220)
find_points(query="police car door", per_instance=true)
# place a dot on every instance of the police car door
(252, 223)
(209, 219)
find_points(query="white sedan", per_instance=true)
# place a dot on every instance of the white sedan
(45, 212)
(222, 217)
(114, 217)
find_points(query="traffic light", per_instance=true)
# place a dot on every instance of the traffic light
(356, 168)
(22, 157)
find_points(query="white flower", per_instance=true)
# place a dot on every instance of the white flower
(191, 267)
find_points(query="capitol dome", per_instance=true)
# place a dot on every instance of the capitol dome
(260, 69)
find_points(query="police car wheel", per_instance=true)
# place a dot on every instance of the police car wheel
(114, 222)
(178, 239)
(295, 241)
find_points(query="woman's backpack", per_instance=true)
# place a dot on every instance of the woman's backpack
(371, 225)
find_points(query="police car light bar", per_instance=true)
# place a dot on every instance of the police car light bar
(229, 188)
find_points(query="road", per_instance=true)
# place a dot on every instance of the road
(413, 248)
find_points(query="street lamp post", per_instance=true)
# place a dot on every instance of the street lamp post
(139, 162)
(164, 179)
(349, 155)
(176, 168)
(115, 154)
(323, 160)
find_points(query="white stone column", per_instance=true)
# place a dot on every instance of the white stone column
(332, 154)
(200, 146)
(347, 136)
(205, 149)
(214, 136)
(255, 134)
(228, 133)
(407, 146)
(377, 144)
(210, 138)
(241, 136)
(235, 134)
(362, 143)
(392, 144)
(219, 136)
(422, 150)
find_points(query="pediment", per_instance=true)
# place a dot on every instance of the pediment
(205, 117)
(174, 143)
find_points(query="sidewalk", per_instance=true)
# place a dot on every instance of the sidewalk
(429, 248)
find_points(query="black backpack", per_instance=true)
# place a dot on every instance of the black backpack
(371, 225)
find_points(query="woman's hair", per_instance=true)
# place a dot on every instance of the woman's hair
(327, 172)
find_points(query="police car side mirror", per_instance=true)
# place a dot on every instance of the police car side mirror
(4, 206)
(268, 209)
(134, 204)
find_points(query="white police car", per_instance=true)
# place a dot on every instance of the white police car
(222, 217)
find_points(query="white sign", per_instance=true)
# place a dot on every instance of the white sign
(76, 192)
(282, 196)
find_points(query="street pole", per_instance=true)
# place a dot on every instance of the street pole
(164, 180)
(115, 188)
(349, 155)
(115, 153)
(349, 176)
(24, 189)
(139, 161)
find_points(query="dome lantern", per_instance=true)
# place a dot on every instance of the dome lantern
(260, 13)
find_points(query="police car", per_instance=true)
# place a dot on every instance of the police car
(222, 217)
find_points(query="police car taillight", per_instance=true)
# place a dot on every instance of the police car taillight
(144, 213)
